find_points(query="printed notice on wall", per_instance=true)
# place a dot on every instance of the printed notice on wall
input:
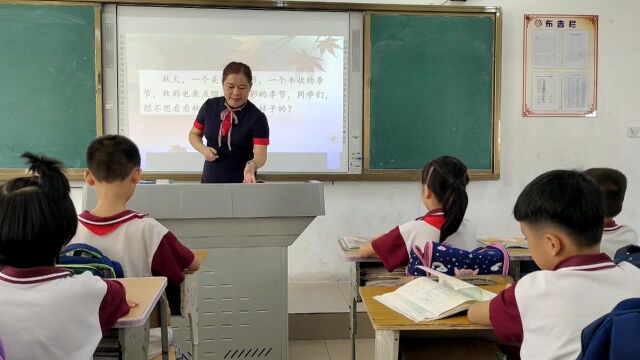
(574, 92)
(560, 65)
(547, 91)
(576, 49)
(546, 49)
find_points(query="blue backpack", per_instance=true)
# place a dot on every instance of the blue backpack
(615, 335)
(629, 253)
(81, 258)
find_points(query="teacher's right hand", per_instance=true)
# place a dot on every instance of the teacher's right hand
(210, 154)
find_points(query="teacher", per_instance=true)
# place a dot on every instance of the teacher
(237, 131)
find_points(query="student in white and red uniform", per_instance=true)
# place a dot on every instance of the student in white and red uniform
(613, 184)
(46, 313)
(444, 194)
(560, 213)
(237, 131)
(142, 245)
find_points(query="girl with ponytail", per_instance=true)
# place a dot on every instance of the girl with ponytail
(37, 219)
(444, 194)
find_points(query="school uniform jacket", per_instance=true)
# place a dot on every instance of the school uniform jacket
(142, 245)
(616, 236)
(395, 247)
(48, 314)
(546, 311)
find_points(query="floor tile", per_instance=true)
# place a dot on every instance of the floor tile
(308, 350)
(341, 349)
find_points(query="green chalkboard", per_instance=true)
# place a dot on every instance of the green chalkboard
(47, 82)
(431, 90)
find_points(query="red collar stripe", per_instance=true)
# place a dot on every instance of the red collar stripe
(32, 275)
(590, 262)
(104, 225)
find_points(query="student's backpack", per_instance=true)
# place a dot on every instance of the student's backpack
(629, 253)
(615, 335)
(81, 258)
(490, 260)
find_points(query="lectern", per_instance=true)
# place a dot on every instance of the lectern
(243, 282)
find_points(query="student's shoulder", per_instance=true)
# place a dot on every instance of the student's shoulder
(536, 282)
(628, 229)
(87, 283)
(150, 223)
(420, 224)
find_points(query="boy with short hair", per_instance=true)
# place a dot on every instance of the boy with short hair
(142, 245)
(560, 212)
(613, 184)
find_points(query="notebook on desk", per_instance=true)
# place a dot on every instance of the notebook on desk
(424, 299)
(353, 242)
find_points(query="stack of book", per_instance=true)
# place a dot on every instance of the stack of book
(352, 242)
(379, 276)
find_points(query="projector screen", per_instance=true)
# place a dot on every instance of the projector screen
(170, 60)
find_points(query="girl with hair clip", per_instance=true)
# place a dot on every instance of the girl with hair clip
(444, 194)
(45, 311)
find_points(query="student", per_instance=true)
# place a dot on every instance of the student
(560, 213)
(46, 312)
(613, 184)
(444, 194)
(142, 245)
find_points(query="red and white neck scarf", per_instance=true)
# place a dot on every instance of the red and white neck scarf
(228, 116)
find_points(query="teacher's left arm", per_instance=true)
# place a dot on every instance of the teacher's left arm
(258, 161)
(260, 142)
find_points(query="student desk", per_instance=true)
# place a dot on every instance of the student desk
(390, 325)
(133, 329)
(359, 266)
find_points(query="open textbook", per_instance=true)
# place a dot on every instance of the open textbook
(423, 299)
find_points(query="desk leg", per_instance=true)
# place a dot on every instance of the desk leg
(355, 285)
(164, 330)
(514, 270)
(387, 344)
(134, 342)
(354, 324)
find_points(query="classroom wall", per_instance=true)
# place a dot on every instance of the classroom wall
(530, 146)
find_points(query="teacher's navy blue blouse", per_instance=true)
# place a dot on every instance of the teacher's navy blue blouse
(251, 128)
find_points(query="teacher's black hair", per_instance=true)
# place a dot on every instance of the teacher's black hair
(447, 178)
(37, 216)
(237, 68)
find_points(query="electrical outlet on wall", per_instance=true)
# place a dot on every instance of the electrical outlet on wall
(633, 131)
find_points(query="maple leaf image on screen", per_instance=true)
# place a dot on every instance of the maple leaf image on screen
(329, 45)
(304, 62)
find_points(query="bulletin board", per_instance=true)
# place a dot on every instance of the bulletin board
(560, 65)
